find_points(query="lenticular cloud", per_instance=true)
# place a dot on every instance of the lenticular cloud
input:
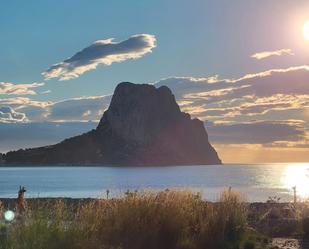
(101, 52)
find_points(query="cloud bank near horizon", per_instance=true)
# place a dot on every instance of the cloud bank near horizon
(101, 52)
(274, 101)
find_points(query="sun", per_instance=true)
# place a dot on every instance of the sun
(306, 30)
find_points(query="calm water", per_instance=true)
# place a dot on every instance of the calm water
(257, 182)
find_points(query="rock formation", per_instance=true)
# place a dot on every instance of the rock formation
(142, 126)
(1, 158)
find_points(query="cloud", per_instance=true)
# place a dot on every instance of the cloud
(19, 89)
(275, 90)
(34, 110)
(274, 80)
(256, 108)
(75, 109)
(20, 102)
(78, 109)
(46, 92)
(266, 54)
(257, 132)
(103, 52)
(8, 114)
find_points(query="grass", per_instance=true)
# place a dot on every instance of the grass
(142, 220)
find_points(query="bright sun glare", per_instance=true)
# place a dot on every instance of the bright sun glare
(297, 175)
(306, 30)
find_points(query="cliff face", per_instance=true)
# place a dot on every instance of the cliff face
(142, 126)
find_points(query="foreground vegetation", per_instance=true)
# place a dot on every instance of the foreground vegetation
(144, 220)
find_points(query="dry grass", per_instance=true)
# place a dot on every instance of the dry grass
(143, 220)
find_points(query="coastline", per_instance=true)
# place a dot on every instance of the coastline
(87, 199)
(40, 165)
(75, 202)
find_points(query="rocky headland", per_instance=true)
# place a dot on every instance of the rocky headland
(143, 126)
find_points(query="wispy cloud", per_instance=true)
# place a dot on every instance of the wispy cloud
(8, 114)
(19, 89)
(265, 54)
(70, 110)
(103, 52)
(46, 92)
(78, 109)
(260, 101)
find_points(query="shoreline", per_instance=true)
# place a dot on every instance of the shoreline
(73, 200)
(30, 165)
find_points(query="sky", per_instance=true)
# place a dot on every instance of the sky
(241, 66)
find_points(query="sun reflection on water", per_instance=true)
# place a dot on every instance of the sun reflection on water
(297, 175)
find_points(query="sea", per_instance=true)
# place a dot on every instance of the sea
(256, 182)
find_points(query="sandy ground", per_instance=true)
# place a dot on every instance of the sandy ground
(288, 243)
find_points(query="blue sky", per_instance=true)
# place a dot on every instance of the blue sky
(196, 38)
